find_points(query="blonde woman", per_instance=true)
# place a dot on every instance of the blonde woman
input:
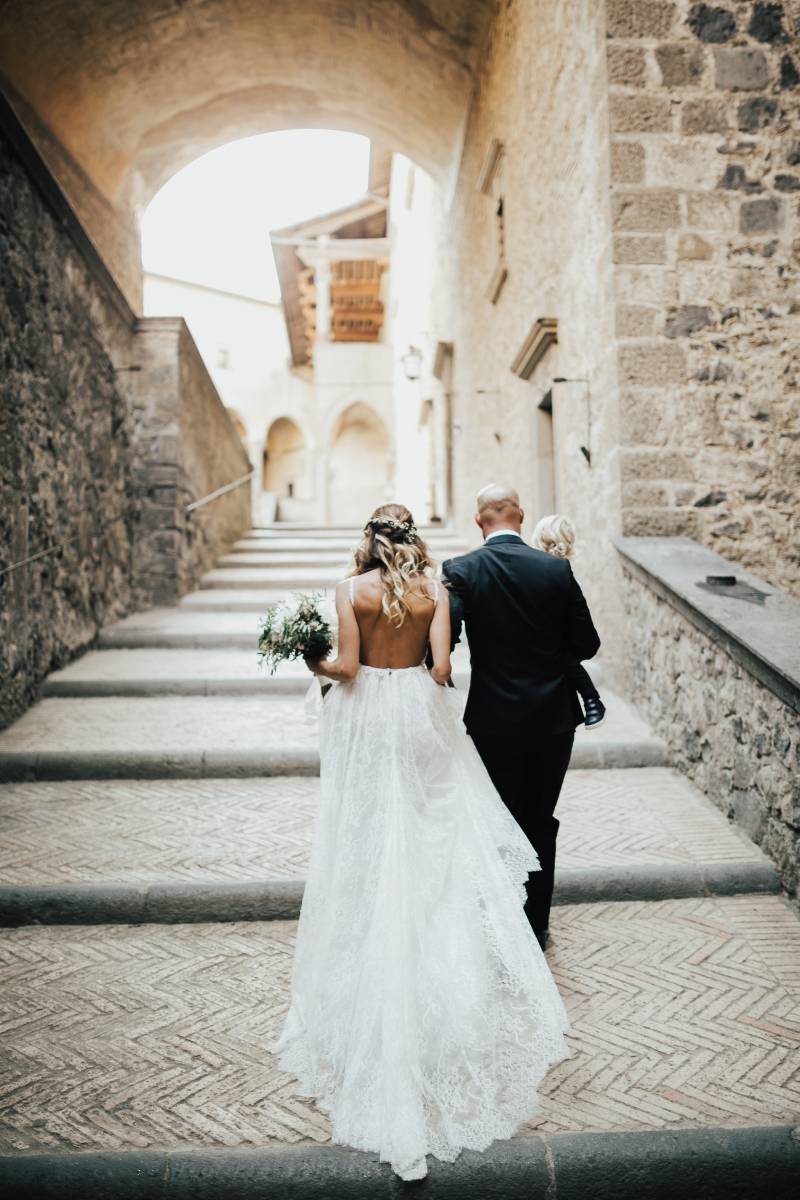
(423, 1013)
(556, 535)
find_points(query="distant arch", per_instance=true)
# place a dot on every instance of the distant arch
(359, 465)
(284, 459)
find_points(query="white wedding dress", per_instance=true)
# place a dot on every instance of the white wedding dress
(423, 1012)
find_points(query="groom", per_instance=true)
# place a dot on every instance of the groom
(524, 613)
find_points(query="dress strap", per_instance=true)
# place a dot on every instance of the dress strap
(352, 591)
(435, 591)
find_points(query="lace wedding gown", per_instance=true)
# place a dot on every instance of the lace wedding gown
(423, 1013)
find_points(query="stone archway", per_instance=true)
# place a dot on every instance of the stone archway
(284, 460)
(120, 96)
(359, 465)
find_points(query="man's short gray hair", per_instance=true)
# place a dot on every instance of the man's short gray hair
(497, 496)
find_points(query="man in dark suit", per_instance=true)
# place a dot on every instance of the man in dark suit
(525, 615)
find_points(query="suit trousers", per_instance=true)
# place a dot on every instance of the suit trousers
(528, 773)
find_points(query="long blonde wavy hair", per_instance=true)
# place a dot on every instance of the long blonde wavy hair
(392, 543)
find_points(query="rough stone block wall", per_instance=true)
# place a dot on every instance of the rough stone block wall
(107, 432)
(211, 456)
(732, 736)
(705, 171)
(542, 91)
(65, 452)
(185, 447)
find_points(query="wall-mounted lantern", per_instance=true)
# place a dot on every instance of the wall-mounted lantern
(412, 363)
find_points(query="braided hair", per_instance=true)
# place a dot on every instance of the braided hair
(392, 544)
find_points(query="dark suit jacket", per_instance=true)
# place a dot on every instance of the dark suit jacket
(525, 615)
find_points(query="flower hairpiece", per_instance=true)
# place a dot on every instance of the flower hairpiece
(407, 528)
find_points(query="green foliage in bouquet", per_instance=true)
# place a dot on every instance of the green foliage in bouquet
(303, 629)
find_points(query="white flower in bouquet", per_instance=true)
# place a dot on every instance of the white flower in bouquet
(304, 627)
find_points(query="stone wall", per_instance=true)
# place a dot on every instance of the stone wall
(185, 448)
(65, 444)
(705, 171)
(212, 455)
(731, 734)
(542, 92)
(105, 437)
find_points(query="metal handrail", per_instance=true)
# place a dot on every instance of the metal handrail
(59, 546)
(228, 487)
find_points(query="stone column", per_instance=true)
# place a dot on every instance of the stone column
(322, 283)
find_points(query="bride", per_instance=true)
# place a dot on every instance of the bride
(423, 1013)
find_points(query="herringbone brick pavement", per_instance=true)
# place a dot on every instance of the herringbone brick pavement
(139, 831)
(684, 1012)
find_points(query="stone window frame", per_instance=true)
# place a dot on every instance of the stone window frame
(490, 183)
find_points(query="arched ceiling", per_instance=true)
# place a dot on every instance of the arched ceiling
(135, 89)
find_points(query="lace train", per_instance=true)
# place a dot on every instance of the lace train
(423, 1013)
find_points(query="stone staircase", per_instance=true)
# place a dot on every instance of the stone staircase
(157, 805)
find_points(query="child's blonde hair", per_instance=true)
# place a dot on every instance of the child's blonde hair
(555, 535)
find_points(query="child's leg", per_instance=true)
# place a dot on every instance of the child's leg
(581, 680)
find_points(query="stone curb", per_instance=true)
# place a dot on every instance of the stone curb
(156, 904)
(280, 899)
(721, 1163)
(17, 766)
(269, 685)
(668, 881)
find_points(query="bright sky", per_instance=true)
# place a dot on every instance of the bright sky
(210, 224)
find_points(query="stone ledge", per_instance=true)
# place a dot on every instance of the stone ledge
(280, 899)
(17, 766)
(762, 638)
(715, 1163)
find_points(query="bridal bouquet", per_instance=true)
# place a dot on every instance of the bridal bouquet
(301, 628)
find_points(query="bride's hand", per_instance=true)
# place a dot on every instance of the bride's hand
(441, 675)
(313, 665)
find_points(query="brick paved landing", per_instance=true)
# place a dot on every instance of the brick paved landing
(145, 831)
(684, 1013)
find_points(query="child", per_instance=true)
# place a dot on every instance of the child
(556, 535)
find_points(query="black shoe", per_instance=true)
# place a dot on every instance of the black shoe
(542, 937)
(594, 712)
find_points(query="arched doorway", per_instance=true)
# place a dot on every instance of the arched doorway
(284, 463)
(359, 465)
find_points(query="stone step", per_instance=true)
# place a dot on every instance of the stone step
(308, 560)
(322, 548)
(340, 561)
(238, 849)
(252, 600)
(152, 1040)
(297, 529)
(184, 626)
(715, 1162)
(217, 736)
(213, 619)
(199, 672)
(306, 578)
